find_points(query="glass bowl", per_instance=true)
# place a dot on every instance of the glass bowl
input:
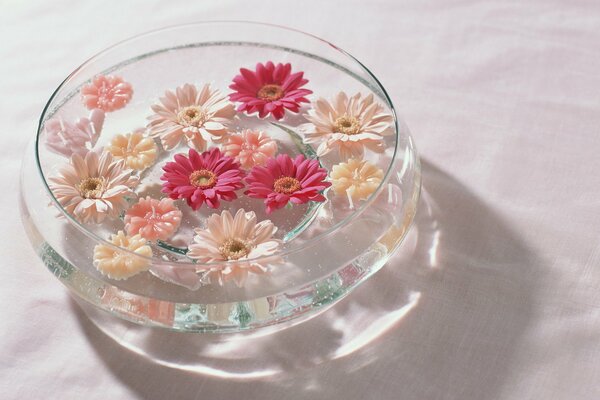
(314, 212)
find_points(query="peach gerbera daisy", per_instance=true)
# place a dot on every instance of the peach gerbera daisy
(232, 240)
(120, 264)
(108, 93)
(196, 115)
(92, 187)
(139, 152)
(153, 219)
(250, 147)
(356, 179)
(348, 125)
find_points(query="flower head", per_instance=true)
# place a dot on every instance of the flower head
(108, 93)
(270, 89)
(208, 177)
(92, 187)
(285, 180)
(356, 179)
(196, 115)
(137, 151)
(121, 264)
(153, 219)
(348, 125)
(66, 138)
(250, 147)
(234, 239)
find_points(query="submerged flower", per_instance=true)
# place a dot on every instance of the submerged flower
(66, 138)
(234, 239)
(191, 114)
(356, 179)
(270, 89)
(285, 180)
(121, 264)
(92, 187)
(348, 125)
(208, 177)
(106, 92)
(153, 219)
(137, 151)
(250, 147)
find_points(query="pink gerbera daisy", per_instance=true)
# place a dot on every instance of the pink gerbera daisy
(250, 147)
(208, 177)
(270, 89)
(108, 93)
(153, 219)
(285, 180)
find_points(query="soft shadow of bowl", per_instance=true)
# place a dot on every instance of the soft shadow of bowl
(441, 320)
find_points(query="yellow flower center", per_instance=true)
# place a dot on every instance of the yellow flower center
(234, 249)
(287, 185)
(347, 125)
(270, 92)
(91, 188)
(203, 178)
(192, 116)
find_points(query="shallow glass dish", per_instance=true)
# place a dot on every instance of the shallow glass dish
(320, 247)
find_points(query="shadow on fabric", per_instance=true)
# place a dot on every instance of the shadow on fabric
(442, 320)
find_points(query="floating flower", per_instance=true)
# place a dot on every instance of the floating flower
(234, 239)
(208, 177)
(139, 152)
(250, 147)
(348, 124)
(121, 264)
(92, 187)
(191, 114)
(285, 180)
(66, 138)
(108, 93)
(153, 219)
(270, 89)
(356, 179)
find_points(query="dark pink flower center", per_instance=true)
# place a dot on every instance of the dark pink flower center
(287, 185)
(203, 179)
(270, 92)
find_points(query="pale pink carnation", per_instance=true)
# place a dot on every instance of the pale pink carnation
(66, 138)
(153, 219)
(250, 147)
(236, 242)
(106, 92)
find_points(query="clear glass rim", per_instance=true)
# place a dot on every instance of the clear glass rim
(192, 264)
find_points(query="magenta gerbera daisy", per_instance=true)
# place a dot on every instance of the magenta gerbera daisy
(270, 89)
(284, 180)
(202, 178)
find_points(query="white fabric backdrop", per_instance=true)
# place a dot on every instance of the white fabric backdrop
(496, 293)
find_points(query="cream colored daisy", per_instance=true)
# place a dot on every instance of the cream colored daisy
(92, 187)
(348, 125)
(191, 114)
(232, 240)
(137, 151)
(120, 264)
(357, 179)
